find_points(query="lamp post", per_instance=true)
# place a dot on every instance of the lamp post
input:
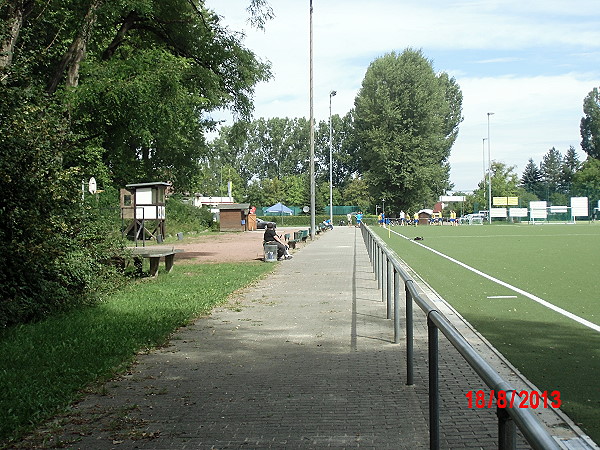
(331, 94)
(489, 170)
(484, 182)
(312, 132)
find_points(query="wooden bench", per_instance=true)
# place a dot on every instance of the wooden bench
(154, 254)
(291, 242)
(303, 235)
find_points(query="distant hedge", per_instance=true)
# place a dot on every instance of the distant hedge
(304, 220)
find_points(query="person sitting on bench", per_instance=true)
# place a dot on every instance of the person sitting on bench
(270, 237)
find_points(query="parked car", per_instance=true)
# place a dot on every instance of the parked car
(470, 219)
(262, 224)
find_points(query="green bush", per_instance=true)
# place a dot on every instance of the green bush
(304, 220)
(52, 243)
(185, 217)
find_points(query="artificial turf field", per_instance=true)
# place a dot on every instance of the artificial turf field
(557, 263)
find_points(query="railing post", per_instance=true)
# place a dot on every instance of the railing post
(434, 394)
(384, 264)
(507, 431)
(379, 258)
(409, 337)
(376, 266)
(389, 288)
(373, 252)
(396, 306)
(374, 259)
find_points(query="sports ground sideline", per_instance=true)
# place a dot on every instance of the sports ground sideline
(529, 295)
(532, 291)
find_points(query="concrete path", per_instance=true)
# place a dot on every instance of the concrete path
(302, 359)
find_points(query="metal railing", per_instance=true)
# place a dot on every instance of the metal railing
(390, 276)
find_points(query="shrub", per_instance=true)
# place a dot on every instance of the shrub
(184, 217)
(51, 243)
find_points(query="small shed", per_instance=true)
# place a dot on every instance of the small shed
(425, 216)
(234, 217)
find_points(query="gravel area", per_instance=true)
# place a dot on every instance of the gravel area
(225, 247)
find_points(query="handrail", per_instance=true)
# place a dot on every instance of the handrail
(388, 271)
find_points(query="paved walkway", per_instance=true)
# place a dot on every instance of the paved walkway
(302, 359)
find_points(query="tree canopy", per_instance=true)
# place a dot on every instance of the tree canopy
(590, 124)
(264, 150)
(140, 78)
(406, 121)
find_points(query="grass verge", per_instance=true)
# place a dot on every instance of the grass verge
(557, 263)
(45, 366)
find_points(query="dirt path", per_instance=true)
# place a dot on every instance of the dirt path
(225, 247)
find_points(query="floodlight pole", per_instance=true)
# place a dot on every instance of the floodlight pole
(331, 94)
(484, 174)
(489, 171)
(312, 133)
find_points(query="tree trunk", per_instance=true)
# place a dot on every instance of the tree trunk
(72, 58)
(12, 26)
(127, 24)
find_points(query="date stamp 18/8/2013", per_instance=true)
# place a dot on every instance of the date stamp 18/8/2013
(513, 399)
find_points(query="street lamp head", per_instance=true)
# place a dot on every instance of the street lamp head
(332, 93)
(490, 114)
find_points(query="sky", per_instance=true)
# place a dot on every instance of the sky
(529, 62)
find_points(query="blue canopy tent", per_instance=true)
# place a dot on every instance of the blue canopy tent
(279, 208)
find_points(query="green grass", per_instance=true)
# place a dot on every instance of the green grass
(559, 263)
(45, 366)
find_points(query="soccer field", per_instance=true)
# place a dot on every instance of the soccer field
(532, 291)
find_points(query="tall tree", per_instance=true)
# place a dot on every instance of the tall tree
(590, 124)
(586, 182)
(505, 181)
(551, 169)
(406, 121)
(357, 193)
(344, 150)
(531, 180)
(570, 166)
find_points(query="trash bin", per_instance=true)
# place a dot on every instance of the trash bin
(270, 252)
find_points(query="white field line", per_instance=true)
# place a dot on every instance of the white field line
(543, 302)
(518, 235)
